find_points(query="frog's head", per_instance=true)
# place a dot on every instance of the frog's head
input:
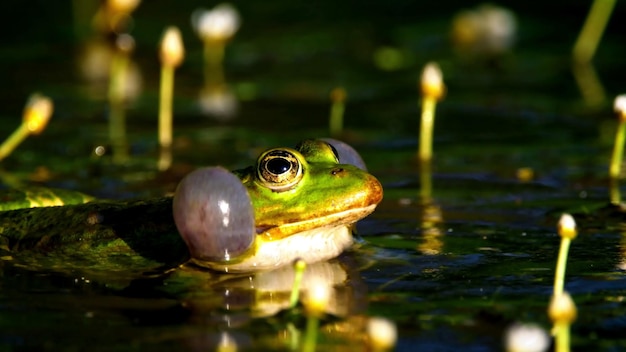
(320, 184)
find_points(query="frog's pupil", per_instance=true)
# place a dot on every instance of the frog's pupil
(278, 166)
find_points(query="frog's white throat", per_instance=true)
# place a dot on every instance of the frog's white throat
(311, 246)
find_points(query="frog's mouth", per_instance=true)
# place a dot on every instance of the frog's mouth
(346, 217)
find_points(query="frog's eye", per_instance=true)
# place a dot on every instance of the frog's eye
(279, 169)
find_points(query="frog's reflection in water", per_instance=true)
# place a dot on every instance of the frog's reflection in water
(266, 293)
(228, 306)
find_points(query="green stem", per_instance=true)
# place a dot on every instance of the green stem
(213, 62)
(14, 140)
(562, 337)
(426, 129)
(559, 276)
(165, 159)
(117, 79)
(299, 267)
(588, 83)
(165, 106)
(165, 116)
(614, 192)
(594, 26)
(426, 185)
(294, 337)
(117, 118)
(310, 337)
(336, 118)
(618, 150)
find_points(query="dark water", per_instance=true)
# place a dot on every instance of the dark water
(452, 272)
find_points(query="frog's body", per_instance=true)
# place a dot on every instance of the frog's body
(32, 197)
(306, 216)
(135, 236)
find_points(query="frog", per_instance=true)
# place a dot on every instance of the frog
(293, 203)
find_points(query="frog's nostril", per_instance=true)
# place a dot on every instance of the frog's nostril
(336, 171)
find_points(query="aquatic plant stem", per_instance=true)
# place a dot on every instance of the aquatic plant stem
(165, 106)
(562, 338)
(215, 27)
(337, 108)
(615, 195)
(310, 336)
(117, 118)
(589, 84)
(299, 266)
(165, 116)
(618, 150)
(172, 54)
(426, 128)
(294, 337)
(426, 185)
(213, 61)
(567, 230)
(589, 38)
(318, 296)
(559, 276)
(432, 89)
(14, 140)
(562, 312)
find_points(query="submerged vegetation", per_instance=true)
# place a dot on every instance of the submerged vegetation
(458, 256)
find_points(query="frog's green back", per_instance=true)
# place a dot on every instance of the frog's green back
(134, 236)
(33, 196)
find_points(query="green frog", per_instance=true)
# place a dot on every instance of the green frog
(293, 203)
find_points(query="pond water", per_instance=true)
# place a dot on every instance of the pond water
(452, 271)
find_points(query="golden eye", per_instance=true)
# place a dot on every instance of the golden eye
(279, 169)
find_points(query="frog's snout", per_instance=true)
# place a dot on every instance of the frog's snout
(370, 189)
(375, 190)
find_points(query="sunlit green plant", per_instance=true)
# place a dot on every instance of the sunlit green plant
(338, 98)
(620, 137)
(37, 113)
(567, 231)
(590, 35)
(318, 297)
(125, 44)
(432, 89)
(562, 310)
(299, 266)
(215, 27)
(172, 53)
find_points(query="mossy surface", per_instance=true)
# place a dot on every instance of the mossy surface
(102, 235)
